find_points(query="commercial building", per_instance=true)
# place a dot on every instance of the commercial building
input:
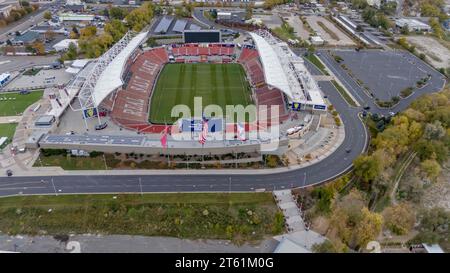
(412, 24)
(26, 38)
(317, 40)
(76, 17)
(4, 77)
(64, 44)
(221, 15)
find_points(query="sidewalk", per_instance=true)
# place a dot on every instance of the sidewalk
(10, 119)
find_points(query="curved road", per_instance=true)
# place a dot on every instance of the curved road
(330, 167)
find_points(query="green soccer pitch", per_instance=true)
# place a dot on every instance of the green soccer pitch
(221, 84)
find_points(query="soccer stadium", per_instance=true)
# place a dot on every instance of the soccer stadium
(132, 89)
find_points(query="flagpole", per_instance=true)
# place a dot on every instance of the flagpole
(167, 146)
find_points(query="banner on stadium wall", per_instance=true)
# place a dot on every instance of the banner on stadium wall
(296, 106)
(196, 125)
(90, 113)
(320, 107)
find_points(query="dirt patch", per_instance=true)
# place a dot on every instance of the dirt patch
(437, 54)
(320, 224)
(438, 193)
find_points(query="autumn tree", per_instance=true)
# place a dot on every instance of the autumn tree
(116, 29)
(368, 228)
(38, 48)
(50, 34)
(431, 168)
(47, 15)
(399, 218)
(367, 167)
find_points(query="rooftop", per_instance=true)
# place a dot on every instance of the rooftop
(29, 36)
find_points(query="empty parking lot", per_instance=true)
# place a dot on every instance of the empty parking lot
(329, 32)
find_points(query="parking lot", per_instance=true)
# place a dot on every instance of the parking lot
(299, 29)
(384, 73)
(44, 78)
(329, 32)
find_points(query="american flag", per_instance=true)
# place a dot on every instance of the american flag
(204, 133)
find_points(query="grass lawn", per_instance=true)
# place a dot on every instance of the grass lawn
(14, 107)
(313, 59)
(32, 72)
(221, 84)
(285, 32)
(343, 93)
(7, 130)
(72, 163)
(237, 216)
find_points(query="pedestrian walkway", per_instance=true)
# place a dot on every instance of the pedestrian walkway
(291, 212)
(299, 238)
(10, 119)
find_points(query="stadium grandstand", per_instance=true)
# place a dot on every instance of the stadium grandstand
(287, 72)
(119, 86)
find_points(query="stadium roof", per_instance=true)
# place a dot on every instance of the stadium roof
(163, 25)
(111, 77)
(273, 71)
(179, 25)
(80, 63)
(194, 27)
(286, 71)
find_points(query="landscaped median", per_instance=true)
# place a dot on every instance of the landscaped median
(314, 60)
(236, 216)
(344, 93)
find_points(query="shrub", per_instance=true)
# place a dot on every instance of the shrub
(94, 154)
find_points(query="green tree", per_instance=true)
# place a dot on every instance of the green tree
(435, 219)
(117, 13)
(367, 167)
(72, 52)
(47, 15)
(116, 29)
(431, 168)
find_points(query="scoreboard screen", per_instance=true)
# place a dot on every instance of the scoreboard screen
(202, 36)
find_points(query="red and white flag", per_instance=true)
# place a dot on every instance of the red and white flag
(241, 131)
(204, 133)
(164, 137)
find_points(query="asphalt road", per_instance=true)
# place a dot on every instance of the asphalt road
(328, 168)
(15, 63)
(25, 22)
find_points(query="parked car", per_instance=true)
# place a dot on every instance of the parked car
(101, 126)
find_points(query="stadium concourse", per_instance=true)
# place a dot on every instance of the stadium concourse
(129, 106)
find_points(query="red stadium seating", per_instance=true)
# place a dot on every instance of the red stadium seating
(249, 58)
(130, 106)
